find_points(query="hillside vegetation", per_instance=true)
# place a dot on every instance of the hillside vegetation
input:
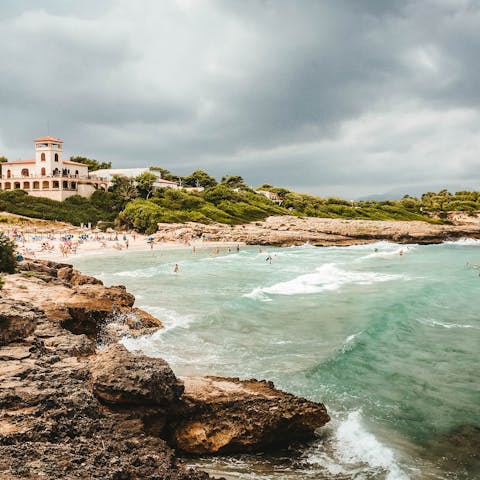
(137, 205)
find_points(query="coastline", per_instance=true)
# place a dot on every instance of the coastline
(280, 231)
(76, 403)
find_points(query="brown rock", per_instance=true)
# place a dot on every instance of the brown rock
(17, 320)
(229, 415)
(121, 377)
(289, 230)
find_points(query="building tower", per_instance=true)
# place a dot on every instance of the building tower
(48, 156)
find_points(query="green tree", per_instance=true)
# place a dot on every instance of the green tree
(145, 183)
(234, 181)
(8, 259)
(92, 163)
(123, 190)
(166, 174)
(199, 178)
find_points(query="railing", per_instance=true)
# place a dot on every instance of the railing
(58, 175)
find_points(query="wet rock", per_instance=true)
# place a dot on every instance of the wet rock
(121, 377)
(223, 415)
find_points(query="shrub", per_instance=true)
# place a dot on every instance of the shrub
(8, 259)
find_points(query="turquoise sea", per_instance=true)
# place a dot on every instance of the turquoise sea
(389, 342)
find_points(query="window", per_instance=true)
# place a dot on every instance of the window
(43, 172)
(56, 157)
(36, 185)
(26, 185)
(9, 173)
(42, 157)
(24, 172)
(45, 185)
(8, 186)
(65, 185)
(16, 185)
(73, 185)
(56, 184)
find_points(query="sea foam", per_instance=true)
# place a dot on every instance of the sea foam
(464, 242)
(351, 446)
(325, 277)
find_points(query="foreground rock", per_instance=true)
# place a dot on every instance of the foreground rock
(69, 411)
(289, 230)
(120, 377)
(224, 415)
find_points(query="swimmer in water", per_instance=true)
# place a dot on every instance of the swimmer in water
(175, 268)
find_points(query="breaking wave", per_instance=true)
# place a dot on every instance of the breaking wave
(326, 277)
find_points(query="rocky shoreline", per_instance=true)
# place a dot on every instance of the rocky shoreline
(75, 403)
(284, 231)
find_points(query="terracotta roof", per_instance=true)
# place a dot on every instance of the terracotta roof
(18, 162)
(69, 162)
(48, 139)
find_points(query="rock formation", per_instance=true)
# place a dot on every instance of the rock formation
(70, 409)
(223, 415)
(288, 230)
(120, 377)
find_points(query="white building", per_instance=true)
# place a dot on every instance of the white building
(109, 173)
(270, 195)
(48, 175)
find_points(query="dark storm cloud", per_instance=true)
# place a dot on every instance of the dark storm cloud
(343, 96)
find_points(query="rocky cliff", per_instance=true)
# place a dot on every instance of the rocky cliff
(289, 230)
(76, 404)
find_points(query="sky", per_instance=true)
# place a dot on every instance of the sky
(343, 97)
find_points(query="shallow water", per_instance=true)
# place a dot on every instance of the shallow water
(388, 342)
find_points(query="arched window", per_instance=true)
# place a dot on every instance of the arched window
(45, 185)
(16, 185)
(43, 172)
(65, 185)
(26, 185)
(56, 157)
(8, 186)
(76, 173)
(9, 173)
(56, 184)
(36, 185)
(24, 172)
(42, 157)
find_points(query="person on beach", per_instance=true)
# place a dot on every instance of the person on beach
(175, 268)
(194, 250)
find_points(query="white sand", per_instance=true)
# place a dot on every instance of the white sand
(31, 244)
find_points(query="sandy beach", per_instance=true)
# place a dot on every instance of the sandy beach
(64, 244)
(61, 242)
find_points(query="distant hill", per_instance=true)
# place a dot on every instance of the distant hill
(418, 190)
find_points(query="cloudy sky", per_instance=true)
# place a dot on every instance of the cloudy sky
(342, 97)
